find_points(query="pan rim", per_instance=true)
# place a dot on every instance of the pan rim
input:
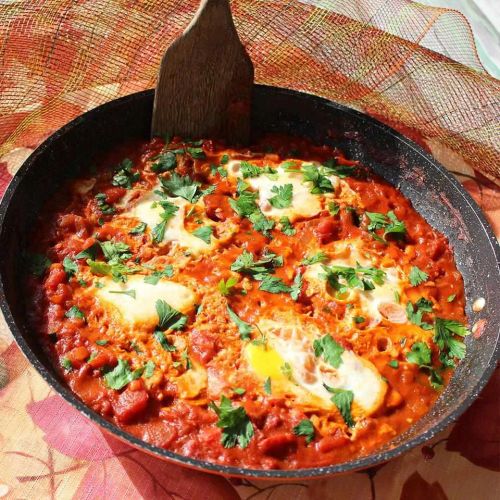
(204, 465)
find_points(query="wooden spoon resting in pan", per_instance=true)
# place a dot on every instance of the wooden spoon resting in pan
(205, 80)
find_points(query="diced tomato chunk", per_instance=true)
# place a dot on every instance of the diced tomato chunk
(103, 358)
(217, 207)
(130, 405)
(327, 230)
(329, 443)
(57, 275)
(278, 445)
(113, 194)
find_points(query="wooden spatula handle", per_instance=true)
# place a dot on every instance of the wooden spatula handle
(205, 80)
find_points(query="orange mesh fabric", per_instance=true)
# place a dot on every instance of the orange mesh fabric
(59, 58)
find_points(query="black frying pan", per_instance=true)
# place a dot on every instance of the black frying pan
(434, 192)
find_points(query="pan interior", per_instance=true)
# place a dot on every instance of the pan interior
(433, 191)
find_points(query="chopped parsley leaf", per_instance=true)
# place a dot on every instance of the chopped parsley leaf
(101, 342)
(156, 276)
(115, 252)
(243, 327)
(225, 287)
(361, 277)
(444, 337)
(261, 223)
(282, 196)
(342, 171)
(164, 162)
(245, 205)
(70, 266)
(149, 369)
(330, 350)
(267, 385)
(239, 390)
(305, 428)
(162, 340)
(124, 176)
(130, 293)
(314, 259)
(451, 298)
(224, 159)
(388, 222)
(415, 316)
(246, 264)
(296, 287)
(121, 375)
(204, 233)
(139, 229)
(182, 186)
(333, 208)
(343, 399)
(74, 312)
(286, 370)
(320, 182)
(286, 226)
(358, 319)
(102, 205)
(273, 284)
(234, 422)
(417, 276)
(66, 364)
(420, 354)
(393, 363)
(168, 317)
(196, 153)
(89, 253)
(169, 211)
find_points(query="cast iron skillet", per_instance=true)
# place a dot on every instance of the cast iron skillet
(433, 191)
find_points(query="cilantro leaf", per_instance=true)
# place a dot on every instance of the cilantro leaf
(139, 229)
(330, 349)
(74, 312)
(117, 271)
(243, 327)
(296, 288)
(249, 170)
(121, 375)
(234, 422)
(37, 263)
(287, 227)
(164, 162)
(343, 399)
(204, 233)
(273, 284)
(417, 276)
(282, 196)
(156, 276)
(225, 287)
(314, 259)
(70, 266)
(305, 428)
(168, 317)
(162, 340)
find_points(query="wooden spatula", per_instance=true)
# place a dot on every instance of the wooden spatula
(205, 80)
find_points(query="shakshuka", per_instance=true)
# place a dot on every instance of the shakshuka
(274, 307)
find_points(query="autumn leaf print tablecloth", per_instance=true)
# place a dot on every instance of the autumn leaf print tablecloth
(392, 59)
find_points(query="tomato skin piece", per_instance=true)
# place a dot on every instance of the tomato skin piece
(329, 443)
(130, 405)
